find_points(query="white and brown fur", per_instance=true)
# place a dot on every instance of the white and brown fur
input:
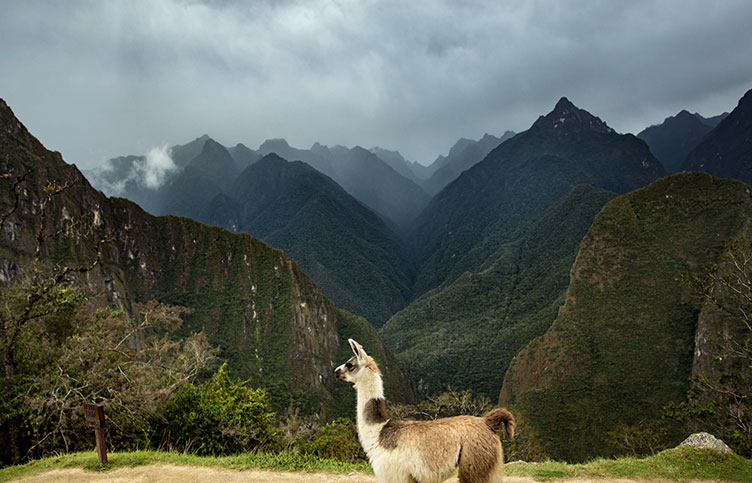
(422, 451)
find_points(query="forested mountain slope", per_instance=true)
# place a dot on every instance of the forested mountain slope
(622, 345)
(269, 319)
(345, 247)
(496, 246)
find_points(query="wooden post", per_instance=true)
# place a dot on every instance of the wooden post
(94, 415)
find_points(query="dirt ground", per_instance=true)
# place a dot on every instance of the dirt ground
(193, 474)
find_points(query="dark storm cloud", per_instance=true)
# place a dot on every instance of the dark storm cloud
(98, 79)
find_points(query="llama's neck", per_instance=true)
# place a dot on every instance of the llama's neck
(369, 388)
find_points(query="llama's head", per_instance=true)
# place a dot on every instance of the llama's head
(358, 365)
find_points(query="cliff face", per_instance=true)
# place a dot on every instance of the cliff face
(622, 346)
(270, 320)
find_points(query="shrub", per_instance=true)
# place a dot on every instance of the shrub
(129, 364)
(337, 440)
(447, 404)
(219, 417)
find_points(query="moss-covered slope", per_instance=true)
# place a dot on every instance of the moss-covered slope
(622, 345)
(464, 334)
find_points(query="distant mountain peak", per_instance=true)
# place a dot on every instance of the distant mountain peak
(564, 106)
(395, 153)
(216, 162)
(746, 99)
(211, 145)
(10, 124)
(274, 144)
(724, 151)
(272, 158)
(566, 118)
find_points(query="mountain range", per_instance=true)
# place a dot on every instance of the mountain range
(463, 155)
(346, 248)
(673, 139)
(495, 246)
(359, 260)
(271, 322)
(362, 174)
(726, 151)
(542, 269)
(351, 252)
(628, 337)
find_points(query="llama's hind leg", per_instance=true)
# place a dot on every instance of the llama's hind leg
(481, 462)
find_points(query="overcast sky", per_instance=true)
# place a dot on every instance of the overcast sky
(99, 79)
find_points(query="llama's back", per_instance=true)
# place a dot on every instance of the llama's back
(432, 450)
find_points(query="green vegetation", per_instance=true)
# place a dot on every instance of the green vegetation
(66, 357)
(266, 317)
(681, 464)
(284, 461)
(220, 416)
(496, 245)
(720, 397)
(622, 346)
(337, 440)
(464, 334)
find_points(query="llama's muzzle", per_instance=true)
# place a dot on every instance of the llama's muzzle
(339, 373)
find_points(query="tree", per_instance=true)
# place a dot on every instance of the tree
(57, 353)
(38, 292)
(129, 364)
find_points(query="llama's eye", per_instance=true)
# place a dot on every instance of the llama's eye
(349, 366)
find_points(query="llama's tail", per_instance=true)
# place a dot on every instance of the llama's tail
(496, 417)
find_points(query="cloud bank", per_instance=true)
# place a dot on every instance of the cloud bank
(156, 167)
(99, 79)
(150, 171)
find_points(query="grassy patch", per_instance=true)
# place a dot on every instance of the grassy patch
(680, 464)
(285, 461)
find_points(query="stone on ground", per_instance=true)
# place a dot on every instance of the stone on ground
(706, 440)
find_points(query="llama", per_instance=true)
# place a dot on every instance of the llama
(422, 451)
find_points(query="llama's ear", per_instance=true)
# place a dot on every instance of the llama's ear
(357, 349)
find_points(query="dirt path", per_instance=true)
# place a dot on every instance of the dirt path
(195, 474)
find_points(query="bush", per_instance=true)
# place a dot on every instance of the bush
(129, 364)
(337, 440)
(444, 405)
(219, 417)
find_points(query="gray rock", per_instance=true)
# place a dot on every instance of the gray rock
(707, 441)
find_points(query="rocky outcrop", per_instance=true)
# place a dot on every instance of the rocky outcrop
(706, 441)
